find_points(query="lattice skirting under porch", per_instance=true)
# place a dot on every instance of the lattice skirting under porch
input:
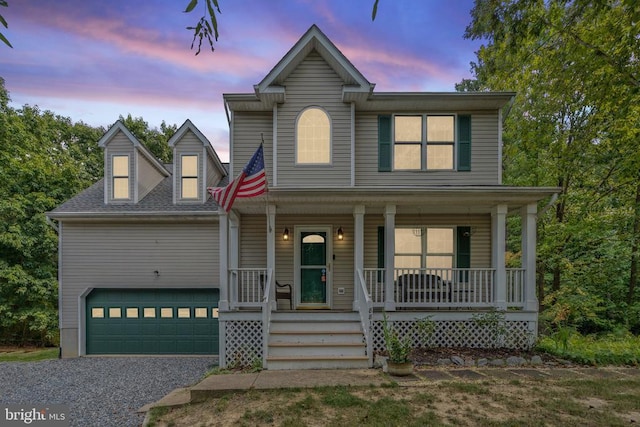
(243, 342)
(515, 334)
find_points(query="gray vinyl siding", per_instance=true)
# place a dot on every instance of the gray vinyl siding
(126, 255)
(189, 144)
(213, 176)
(119, 145)
(148, 176)
(484, 155)
(480, 240)
(248, 127)
(314, 83)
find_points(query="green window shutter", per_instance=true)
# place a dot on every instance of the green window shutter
(464, 142)
(384, 143)
(380, 252)
(463, 251)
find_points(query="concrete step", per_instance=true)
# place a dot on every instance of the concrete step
(316, 350)
(276, 363)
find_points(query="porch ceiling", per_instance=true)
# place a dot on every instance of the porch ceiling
(426, 200)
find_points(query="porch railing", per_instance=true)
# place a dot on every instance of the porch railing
(413, 288)
(515, 287)
(443, 287)
(247, 286)
(366, 315)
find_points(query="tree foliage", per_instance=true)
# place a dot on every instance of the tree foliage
(45, 159)
(576, 125)
(207, 26)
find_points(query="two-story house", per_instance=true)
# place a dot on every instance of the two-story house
(377, 203)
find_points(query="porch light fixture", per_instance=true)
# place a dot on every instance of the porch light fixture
(285, 234)
(471, 232)
(340, 233)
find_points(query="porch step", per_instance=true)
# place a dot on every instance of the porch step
(311, 362)
(320, 340)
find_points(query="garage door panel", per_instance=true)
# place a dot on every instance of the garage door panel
(161, 321)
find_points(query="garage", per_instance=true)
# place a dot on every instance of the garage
(152, 321)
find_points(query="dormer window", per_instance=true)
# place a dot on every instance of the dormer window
(189, 176)
(120, 171)
(313, 137)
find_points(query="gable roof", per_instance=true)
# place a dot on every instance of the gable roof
(118, 127)
(189, 126)
(270, 90)
(314, 39)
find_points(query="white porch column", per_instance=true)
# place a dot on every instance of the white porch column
(358, 253)
(529, 255)
(223, 224)
(498, 245)
(271, 249)
(389, 252)
(234, 240)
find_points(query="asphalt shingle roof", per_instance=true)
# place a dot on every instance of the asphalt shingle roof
(159, 200)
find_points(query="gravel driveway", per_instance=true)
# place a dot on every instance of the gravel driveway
(101, 391)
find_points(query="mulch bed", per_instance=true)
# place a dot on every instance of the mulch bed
(430, 356)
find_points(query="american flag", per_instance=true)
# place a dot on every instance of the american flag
(251, 182)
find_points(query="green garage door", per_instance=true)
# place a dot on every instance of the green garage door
(152, 321)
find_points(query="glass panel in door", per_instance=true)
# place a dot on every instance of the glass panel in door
(313, 267)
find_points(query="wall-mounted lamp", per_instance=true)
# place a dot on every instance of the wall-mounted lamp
(157, 273)
(471, 232)
(285, 234)
(340, 233)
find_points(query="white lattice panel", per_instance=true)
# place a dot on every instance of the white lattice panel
(243, 342)
(459, 333)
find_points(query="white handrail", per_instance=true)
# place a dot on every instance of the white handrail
(366, 315)
(266, 318)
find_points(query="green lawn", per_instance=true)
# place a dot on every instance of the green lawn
(29, 355)
(612, 349)
(580, 401)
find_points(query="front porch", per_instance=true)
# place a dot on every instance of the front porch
(462, 306)
(461, 300)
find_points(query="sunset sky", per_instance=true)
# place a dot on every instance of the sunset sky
(94, 60)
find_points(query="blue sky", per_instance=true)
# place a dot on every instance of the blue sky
(94, 60)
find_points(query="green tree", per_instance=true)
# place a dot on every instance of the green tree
(575, 66)
(156, 140)
(44, 160)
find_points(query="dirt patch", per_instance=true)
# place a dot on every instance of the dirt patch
(631, 417)
(593, 403)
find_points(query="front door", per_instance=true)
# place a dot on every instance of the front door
(314, 267)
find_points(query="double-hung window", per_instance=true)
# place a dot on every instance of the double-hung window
(423, 142)
(424, 247)
(120, 173)
(189, 176)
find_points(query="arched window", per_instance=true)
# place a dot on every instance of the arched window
(313, 137)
